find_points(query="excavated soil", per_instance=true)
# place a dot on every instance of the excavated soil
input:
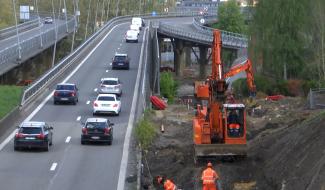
(286, 149)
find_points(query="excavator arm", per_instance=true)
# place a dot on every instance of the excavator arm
(247, 67)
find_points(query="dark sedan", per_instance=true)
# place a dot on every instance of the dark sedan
(66, 92)
(121, 61)
(97, 130)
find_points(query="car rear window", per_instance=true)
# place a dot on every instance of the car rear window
(119, 58)
(110, 82)
(106, 98)
(92, 125)
(65, 87)
(30, 130)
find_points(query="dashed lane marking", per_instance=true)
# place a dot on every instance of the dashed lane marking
(53, 166)
(67, 140)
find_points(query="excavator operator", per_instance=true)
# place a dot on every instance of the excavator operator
(167, 183)
(233, 123)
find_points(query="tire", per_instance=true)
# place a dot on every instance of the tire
(55, 102)
(51, 143)
(47, 147)
(94, 113)
(16, 148)
(109, 142)
(74, 102)
(82, 142)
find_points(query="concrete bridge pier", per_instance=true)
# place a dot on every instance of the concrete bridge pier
(188, 60)
(179, 57)
(203, 61)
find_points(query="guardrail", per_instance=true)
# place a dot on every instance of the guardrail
(31, 91)
(11, 31)
(34, 44)
(229, 38)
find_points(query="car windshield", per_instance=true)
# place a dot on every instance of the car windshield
(119, 58)
(106, 98)
(92, 125)
(65, 87)
(110, 82)
(30, 130)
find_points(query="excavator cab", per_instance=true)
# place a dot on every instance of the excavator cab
(235, 125)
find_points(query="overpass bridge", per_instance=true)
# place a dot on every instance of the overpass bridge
(33, 38)
(68, 165)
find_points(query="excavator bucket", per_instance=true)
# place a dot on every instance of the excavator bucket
(219, 150)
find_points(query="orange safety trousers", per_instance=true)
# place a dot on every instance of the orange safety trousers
(209, 187)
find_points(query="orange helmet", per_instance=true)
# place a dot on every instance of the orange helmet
(209, 165)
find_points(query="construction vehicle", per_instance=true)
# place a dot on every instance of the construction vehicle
(211, 126)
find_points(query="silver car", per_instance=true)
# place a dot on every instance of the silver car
(110, 86)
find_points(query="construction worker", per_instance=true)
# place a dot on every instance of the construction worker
(209, 177)
(168, 184)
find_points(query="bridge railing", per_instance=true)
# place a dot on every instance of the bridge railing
(28, 47)
(37, 86)
(231, 38)
(11, 31)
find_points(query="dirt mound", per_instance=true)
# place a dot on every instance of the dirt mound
(294, 157)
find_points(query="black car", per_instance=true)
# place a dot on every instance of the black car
(33, 134)
(121, 61)
(66, 92)
(97, 130)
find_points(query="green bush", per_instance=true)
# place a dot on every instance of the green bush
(168, 86)
(145, 132)
(9, 98)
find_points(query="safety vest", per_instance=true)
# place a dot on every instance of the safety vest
(168, 185)
(209, 176)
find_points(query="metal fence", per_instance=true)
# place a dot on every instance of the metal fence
(316, 98)
(37, 86)
(11, 31)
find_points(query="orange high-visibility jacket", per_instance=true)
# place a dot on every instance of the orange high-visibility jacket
(209, 176)
(169, 185)
(234, 126)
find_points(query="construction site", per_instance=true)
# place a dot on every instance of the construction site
(277, 144)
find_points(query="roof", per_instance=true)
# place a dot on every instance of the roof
(234, 105)
(121, 54)
(106, 95)
(65, 84)
(96, 119)
(114, 79)
(32, 124)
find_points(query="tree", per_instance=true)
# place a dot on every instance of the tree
(278, 30)
(230, 18)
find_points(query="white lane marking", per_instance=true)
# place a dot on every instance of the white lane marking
(95, 90)
(125, 155)
(67, 140)
(110, 64)
(118, 48)
(78, 118)
(106, 71)
(53, 166)
(88, 102)
(39, 107)
(120, 44)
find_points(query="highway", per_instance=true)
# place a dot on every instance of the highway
(29, 33)
(68, 164)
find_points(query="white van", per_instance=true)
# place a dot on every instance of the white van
(135, 28)
(137, 21)
(131, 36)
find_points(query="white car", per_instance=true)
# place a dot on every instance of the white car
(107, 103)
(135, 28)
(137, 21)
(131, 35)
(110, 86)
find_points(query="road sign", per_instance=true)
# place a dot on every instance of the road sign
(202, 21)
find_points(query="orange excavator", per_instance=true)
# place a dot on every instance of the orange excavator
(219, 129)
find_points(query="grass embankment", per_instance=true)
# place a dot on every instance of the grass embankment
(9, 98)
(145, 131)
